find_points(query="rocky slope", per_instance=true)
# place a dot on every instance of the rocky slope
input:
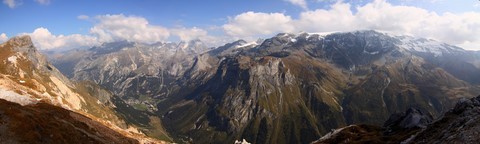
(140, 75)
(397, 129)
(285, 89)
(45, 123)
(458, 125)
(27, 78)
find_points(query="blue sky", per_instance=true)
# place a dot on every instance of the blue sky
(67, 23)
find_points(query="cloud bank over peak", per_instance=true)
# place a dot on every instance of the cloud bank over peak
(110, 28)
(453, 28)
(458, 29)
(120, 27)
(253, 24)
(44, 39)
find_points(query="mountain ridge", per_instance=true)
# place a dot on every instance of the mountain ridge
(287, 89)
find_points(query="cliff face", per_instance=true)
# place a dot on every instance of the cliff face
(286, 89)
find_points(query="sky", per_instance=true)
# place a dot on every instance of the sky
(67, 24)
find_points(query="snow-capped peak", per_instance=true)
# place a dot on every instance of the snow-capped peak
(425, 45)
(322, 33)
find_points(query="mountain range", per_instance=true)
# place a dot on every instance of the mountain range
(290, 88)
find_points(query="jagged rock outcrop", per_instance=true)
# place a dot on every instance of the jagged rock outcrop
(411, 119)
(459, 125)
(399, 127)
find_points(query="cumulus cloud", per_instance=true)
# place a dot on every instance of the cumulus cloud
(109, 28)
(44, 39)
(454, 28)
(12, 3)
(338, 18)
(457, 29)
(3, 37)
(186, 34)
(300, 3)
(120, 27)
(43, 2)
(253, 24)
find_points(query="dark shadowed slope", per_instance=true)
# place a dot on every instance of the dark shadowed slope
(44, 123)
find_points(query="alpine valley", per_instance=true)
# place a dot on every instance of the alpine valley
(290, 88)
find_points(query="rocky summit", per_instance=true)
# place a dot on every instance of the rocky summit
(290, 88)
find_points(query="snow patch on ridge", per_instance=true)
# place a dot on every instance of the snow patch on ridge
(293, 40)
(372, 53)
(321, 35)
(333, 133)
(254, 43)
(241, 142)
(422, 45)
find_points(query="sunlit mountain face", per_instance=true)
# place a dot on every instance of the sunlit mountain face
(292, 71)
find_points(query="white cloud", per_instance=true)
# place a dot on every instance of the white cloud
(252, 24)
(12, 3)
(3, 37)
(43, 2)
(454, 28)
(109, 28)
(44, 39)
(120, 27)
(83, 17)
(338, 18)
(416, 1)
(460, 29)
(300, 3)
(470, 45)
(189, 34)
